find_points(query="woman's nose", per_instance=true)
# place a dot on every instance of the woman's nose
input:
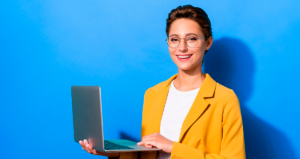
(182, 46)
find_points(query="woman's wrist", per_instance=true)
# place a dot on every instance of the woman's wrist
(170, 146)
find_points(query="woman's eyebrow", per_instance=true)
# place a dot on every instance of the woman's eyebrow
(190, 34)
(173, 35)
(184, 35)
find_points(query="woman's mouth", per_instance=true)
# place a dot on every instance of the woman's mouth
(184, 57)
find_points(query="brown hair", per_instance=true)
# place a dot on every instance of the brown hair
(190, 12)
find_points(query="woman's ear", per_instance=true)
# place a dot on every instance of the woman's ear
(209, 43)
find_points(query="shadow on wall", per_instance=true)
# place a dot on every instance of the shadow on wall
(231, 63)
(126, 136)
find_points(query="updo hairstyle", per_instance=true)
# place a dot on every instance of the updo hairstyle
(193, 13)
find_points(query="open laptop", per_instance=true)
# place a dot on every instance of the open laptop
(88, 123)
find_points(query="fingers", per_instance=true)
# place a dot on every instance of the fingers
(85, 145)
(147, 136)
(141, 143)
(82, 144)
(147, 143)
(89, 148)
(156, 134)
(151, 140)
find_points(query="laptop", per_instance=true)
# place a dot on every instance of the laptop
(88, 122)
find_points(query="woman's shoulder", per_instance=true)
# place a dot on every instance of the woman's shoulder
(161, 85)
(224, 93)
(215, 91)
(156, 87)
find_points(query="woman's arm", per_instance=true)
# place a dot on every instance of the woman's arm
(232, 145)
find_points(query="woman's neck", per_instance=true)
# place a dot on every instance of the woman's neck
(189, 80)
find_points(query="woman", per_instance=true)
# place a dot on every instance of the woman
(189, 115)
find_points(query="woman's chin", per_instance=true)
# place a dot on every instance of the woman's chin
(185, 68)
(188, 67)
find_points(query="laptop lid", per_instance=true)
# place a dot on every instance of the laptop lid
(88, 123)
(87, 115)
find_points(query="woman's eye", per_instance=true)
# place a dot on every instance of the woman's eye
(174, 39)
(192, 38)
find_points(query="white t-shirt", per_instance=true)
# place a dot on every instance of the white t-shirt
(177, 107)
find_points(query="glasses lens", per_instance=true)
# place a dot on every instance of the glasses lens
(191, 40)
(173, 41)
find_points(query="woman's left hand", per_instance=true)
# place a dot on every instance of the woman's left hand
(158, 141)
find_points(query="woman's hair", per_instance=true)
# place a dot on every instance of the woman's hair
(190, 12)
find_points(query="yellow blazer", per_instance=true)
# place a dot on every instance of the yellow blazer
(212, 129)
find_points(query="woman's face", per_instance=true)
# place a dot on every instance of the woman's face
(188, 58)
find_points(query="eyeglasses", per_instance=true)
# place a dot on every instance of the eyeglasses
(190, 41)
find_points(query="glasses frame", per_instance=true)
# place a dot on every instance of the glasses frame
(184, 42)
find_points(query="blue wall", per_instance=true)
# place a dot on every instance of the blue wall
(47, 46)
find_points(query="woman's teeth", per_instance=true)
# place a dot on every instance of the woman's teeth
(184, 57)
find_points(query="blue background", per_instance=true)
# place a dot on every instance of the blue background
(48, 46)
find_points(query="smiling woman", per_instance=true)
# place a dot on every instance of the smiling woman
(189, 115)
(187, 55)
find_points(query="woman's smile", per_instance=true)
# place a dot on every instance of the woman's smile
(184, 57)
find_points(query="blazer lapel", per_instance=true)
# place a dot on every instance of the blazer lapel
(160, 98)
(207, 89)
(160, 105)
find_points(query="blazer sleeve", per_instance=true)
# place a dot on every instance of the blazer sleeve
(232, 145)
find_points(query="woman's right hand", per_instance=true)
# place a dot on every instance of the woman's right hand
(87, 147)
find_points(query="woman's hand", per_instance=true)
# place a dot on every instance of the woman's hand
(85, 145)
(158, 141)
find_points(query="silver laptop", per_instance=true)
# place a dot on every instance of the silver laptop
(88, 123)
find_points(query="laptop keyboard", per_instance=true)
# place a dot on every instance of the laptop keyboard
(112, 146)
